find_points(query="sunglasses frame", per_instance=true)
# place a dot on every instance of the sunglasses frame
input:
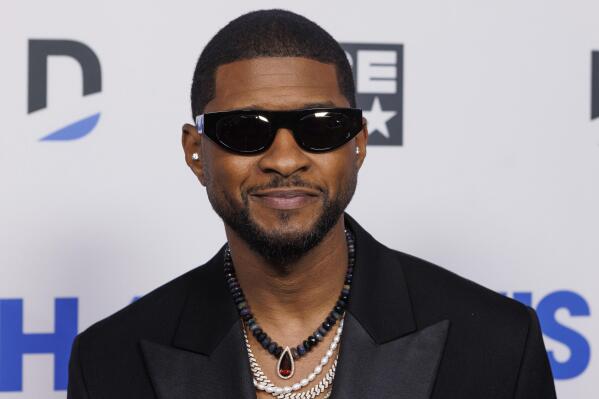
(206, 124)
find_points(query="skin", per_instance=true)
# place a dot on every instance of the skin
(288, 301)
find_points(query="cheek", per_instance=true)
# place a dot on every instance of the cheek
(230, 172)
(336, 169)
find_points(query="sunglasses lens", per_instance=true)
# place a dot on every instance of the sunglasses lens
(322, 131)
(244, 133)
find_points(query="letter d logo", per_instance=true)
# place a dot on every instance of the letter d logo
(39, 51)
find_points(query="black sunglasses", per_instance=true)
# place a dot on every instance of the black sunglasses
(253, 131)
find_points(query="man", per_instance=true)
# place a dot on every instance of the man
(301, 302)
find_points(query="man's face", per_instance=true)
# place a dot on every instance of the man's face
(282, 201)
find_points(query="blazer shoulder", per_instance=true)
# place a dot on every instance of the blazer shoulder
(155, 315)
(445, 293)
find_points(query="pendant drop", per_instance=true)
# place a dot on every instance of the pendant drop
(285, 365)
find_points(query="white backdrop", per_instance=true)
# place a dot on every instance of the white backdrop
(496, 180)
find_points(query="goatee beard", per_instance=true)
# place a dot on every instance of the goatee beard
(283, 249)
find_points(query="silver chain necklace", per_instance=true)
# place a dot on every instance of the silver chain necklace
(262, 383)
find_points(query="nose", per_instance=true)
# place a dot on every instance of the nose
(284, 156)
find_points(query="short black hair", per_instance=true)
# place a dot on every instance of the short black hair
(268, 33)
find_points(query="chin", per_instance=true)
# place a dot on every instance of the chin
(286, 222)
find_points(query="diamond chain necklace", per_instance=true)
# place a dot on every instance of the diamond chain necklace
(262, 383)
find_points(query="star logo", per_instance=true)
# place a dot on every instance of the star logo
(378, 74)
(377, 118)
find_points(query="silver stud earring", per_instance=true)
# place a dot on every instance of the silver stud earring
(357, 150)
(195, 156)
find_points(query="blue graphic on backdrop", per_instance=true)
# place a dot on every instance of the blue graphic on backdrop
(39, 52)
(580, 350)
(14, 343)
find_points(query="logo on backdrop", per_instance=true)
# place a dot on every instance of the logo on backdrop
(378, 73)
(39, 52)
(547, 308)
(15, 343)
(594, 84)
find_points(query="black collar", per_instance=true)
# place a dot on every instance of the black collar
(379, 299)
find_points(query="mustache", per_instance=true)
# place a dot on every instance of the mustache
(282, 182)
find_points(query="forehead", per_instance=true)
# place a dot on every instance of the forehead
(275, 83)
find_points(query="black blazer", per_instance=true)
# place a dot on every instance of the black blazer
(412, 331)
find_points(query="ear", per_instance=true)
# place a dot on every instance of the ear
(361, 141)
(192, 143)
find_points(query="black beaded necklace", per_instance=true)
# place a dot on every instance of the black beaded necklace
(286, 356)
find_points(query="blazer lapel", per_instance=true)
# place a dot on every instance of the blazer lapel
(207, 358)
(383, 353)
(402, 368)
(183, 374)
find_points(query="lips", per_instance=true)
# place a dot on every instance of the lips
(285, 198)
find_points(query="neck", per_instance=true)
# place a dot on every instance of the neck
(301, 293)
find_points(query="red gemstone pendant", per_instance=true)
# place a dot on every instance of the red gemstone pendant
(285, 365)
